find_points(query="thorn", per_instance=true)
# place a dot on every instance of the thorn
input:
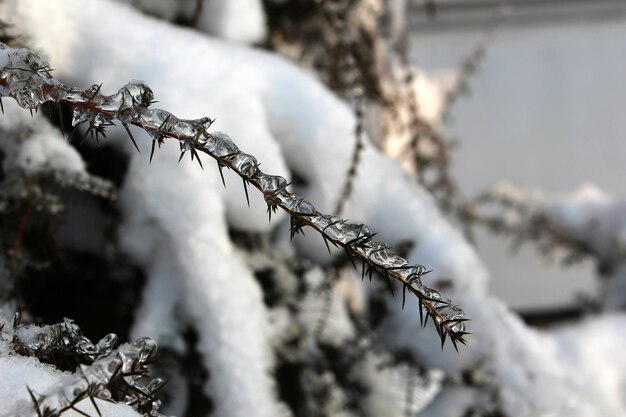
(164, 122)
(1, 105)
(182, 153)
(443, 339)
(326, 242)
(95, 93)
(17, 318)
(73, 407)
(152, 149)
(32, 397)
(421, 309)
(93, 401)
(403, 296)
(245, 188)
(31, 112)
(131, 136)
(454, 341)
(195, 152)
(219, 167)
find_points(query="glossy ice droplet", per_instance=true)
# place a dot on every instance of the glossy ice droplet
(297, 205)
(158, 119)
(380, 254)
(270, 184)
(245, 164)
(85, 347)
(413, 273)
(99, 120)
(28, 99)
(340, 231)
(432, 294)
(147, 348)
(137, 94)
(185, 146)
(79, 116)
(220, 144)
(323, 221)
(107, 343)
(458, 326)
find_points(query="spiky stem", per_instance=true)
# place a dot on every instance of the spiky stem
(26, 78)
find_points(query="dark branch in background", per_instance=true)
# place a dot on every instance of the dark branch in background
(26, 78)
(429, 149)
(346, 77)
(471, 63)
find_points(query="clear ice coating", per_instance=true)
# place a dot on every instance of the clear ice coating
(26, 78)
(322, 221)
(104, 368)
(341, 231)
(270, 184)
(452, 312)
(380, 254)
(297, 204)
(220, 144)
(412, 275)
(245, 164)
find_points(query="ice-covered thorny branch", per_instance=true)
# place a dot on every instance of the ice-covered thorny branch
(106, 372)
(26, 77)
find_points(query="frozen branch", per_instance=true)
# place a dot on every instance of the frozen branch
(26, 77)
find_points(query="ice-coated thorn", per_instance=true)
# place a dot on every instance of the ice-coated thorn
(403, 296)
(130, 135)
(426, 318)
(219, 167)
(73, 407)
(326, 242)
(295, 228)
(443, 335)
(1, 105)
(194, 152)
(93, 401)
(152, 149)
(420, 306)
(454, 341)
(95, 93)
(17, 318)
(245, 188)
(31, 112)
(182, 153)
(164, 122)
(34, 400)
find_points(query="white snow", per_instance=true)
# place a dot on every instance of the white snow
(33, 144)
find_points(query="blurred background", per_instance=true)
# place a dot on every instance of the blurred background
(545, 110)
